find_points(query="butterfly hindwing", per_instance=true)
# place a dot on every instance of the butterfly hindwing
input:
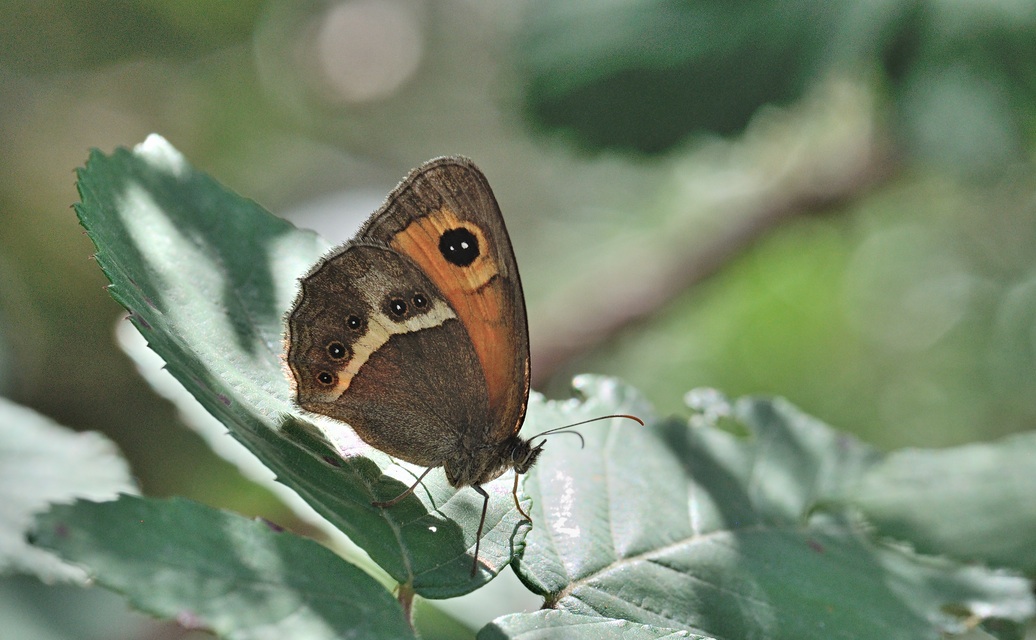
(372, 340)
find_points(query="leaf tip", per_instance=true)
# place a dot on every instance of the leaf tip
(157, 152)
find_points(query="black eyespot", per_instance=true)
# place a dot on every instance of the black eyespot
(325, 378)
(419, 300)
(397, 307)
(354, 322)
(336, 350)
(459, 246)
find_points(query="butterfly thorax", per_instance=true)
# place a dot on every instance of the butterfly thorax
(486, 463)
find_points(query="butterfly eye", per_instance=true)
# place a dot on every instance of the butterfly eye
(353, 322)
(325, 378)
(420, 301)
(397, 307)
(459, 246)
(336, 350)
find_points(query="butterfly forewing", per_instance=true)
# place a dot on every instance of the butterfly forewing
(446, 219)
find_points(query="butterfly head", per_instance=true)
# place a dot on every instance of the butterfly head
(524, 454)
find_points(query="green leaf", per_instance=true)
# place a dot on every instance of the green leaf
(646, 74)
(734, 533)
(215, 570)
(974, 503)
(41, 463)
(207, 277)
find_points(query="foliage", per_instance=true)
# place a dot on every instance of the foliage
(751, 520)
(42, 463)
(647, 74)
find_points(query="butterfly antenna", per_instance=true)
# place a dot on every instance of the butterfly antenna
(582, 441)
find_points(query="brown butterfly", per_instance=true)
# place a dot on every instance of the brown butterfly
(414, 333)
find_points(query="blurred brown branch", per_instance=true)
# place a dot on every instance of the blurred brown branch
(637, 285)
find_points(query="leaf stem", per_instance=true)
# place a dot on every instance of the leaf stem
(405, 595)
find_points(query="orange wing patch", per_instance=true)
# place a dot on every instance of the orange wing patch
(474, 292)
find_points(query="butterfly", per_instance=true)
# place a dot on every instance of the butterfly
(414, 333)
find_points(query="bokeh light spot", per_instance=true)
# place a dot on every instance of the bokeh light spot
(367, 49)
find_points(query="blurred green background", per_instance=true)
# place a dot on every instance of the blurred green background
(827, 200)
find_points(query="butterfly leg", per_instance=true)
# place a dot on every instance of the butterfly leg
(404, 494)
(481, 522)
(514, 493)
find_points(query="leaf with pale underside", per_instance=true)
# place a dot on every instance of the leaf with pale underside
(214, 570)
(41, 463)
(207, 277)
(735, 533)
